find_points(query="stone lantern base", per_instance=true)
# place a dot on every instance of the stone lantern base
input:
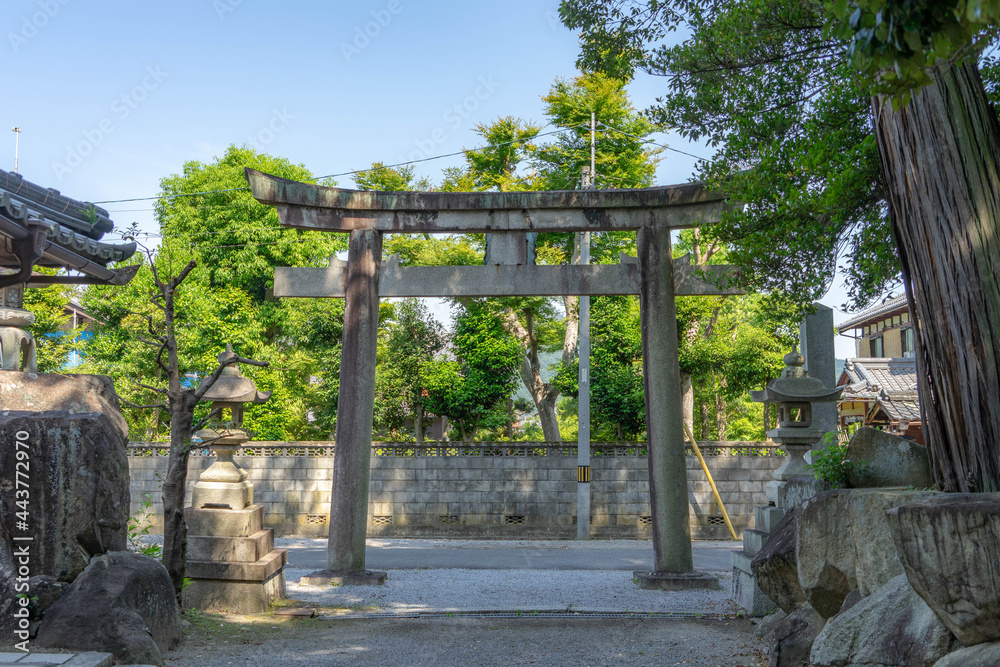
(232, 562)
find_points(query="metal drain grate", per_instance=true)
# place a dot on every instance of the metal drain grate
(513, 520)
(317, 519)
(715, 521)
(539, 614)
(645, 520)
(448, 519)
(381, 519)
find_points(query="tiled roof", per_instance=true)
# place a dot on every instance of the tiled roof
(887, 306)
(62, 232)
(899, 411)
(889, 384)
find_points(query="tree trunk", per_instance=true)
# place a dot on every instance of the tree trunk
(703, 426)
(687, 400)
(940, 160)
(418, 430)
(174, 554)
(544, 394)
(721, 421)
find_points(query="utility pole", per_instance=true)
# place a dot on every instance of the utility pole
(17, 140)
(583, 346)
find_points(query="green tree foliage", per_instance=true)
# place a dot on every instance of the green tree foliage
(472, 389)
(236, 242)
(617, 403)
(896, 44)
(53, 335)
(801, 157)
(409, 338)
(622, 157)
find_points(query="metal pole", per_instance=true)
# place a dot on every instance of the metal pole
(17, 140)
(583, 413)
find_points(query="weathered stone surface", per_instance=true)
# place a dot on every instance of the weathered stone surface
(950, 549)
(792, 638)
(980, 655)
(49, 392)
(44, 591)
(123, 603)
(891, 627)
(7, 593)
(794, 492)
(775, 566)
(892, 461)
(78, 482)
(823, 551)
(242, 597)
(766, 626)
(875, 560)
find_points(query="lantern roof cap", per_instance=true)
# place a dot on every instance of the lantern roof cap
(795, 385)
(232, 387)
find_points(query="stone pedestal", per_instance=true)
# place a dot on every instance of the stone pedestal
(232, 562)
(782, 496)
(675, 581)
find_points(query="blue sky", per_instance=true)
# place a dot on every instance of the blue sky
(113, 96)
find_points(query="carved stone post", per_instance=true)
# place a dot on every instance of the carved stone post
(355, 416)
(668, 489)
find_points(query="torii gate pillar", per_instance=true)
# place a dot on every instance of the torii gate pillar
(355, 416)
(668, 490)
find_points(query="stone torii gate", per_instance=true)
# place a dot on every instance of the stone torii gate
(511, 219)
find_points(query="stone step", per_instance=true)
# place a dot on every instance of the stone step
(766, 518)
(741, 561)
(753, 541)
(88, 659)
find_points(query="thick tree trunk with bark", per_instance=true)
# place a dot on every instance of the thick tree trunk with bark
(941, 164)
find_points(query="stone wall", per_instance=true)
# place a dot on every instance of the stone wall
(482, 490)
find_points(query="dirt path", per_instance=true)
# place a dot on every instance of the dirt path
(445, 642)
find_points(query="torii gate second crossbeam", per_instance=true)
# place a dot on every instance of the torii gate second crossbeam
(509, 217)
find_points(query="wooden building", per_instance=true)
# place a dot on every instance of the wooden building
(882, 379)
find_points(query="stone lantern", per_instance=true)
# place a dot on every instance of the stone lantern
(232, 563)
(795, 393)
(224, 484)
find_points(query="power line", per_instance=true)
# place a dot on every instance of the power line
(650, 141)
(464, 151)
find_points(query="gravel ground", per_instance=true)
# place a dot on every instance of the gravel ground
(450, 642)
(461, 590)
(347, 637)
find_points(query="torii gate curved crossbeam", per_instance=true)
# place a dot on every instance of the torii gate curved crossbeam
(508, 217)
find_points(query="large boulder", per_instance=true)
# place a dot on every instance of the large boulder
(77, 480)
(792, 639)
(891, 461)
(774, 566)
(892, 627)
(123, 603)
(50, 392)
(875, 560)
(980, 655)
(823, 551)
(950, 549)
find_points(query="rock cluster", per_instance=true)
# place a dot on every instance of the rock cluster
(888, 577)
(80, 590)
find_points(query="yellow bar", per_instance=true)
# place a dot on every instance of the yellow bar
(704, 466)
(583, 473)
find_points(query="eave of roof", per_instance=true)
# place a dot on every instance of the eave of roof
(875, 312)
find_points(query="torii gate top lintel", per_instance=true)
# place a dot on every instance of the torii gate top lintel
(309, 206)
